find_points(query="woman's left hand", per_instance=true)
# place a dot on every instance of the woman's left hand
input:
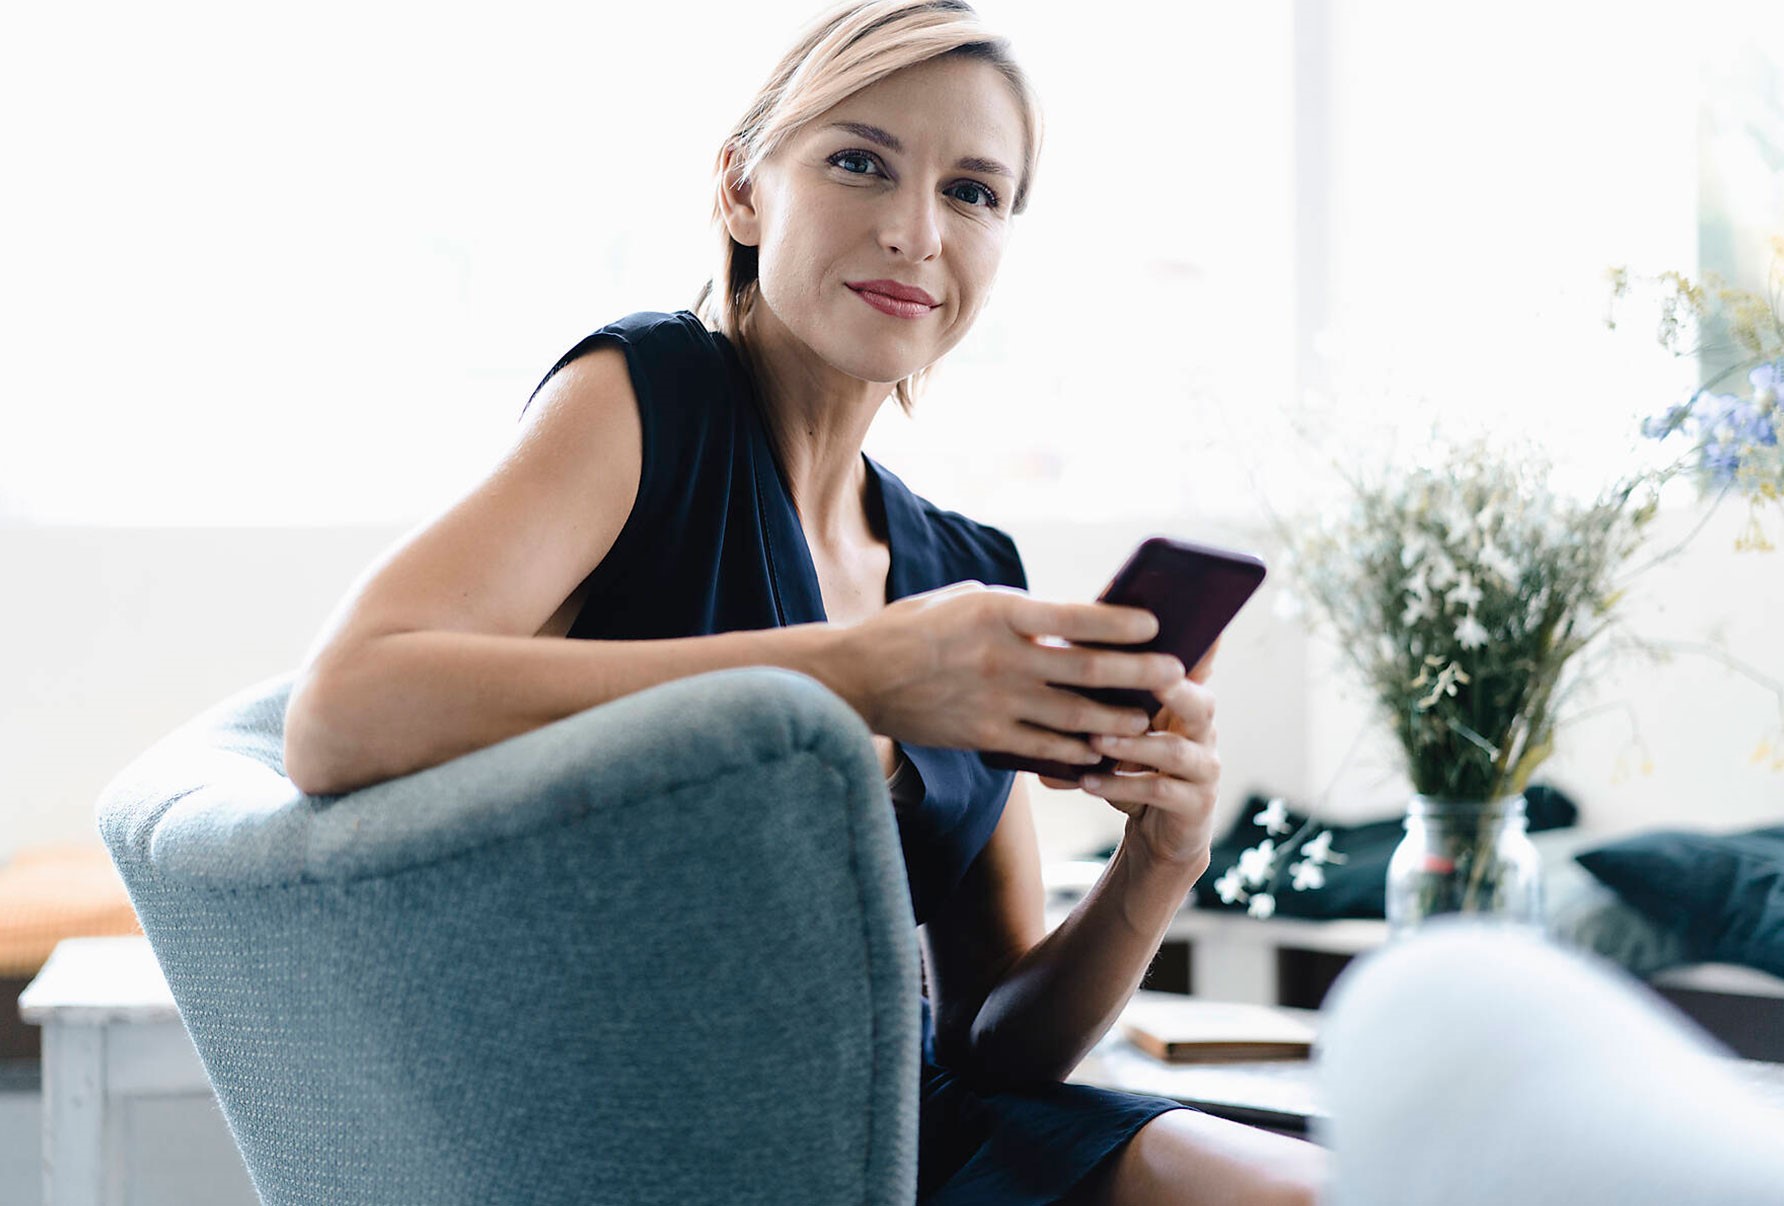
(1167, 778)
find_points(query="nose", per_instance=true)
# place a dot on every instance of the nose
(910, 225)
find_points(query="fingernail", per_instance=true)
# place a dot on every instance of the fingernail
(1091, 782)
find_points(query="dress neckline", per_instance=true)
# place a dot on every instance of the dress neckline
(800, 598)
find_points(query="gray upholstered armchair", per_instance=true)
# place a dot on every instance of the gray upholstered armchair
(658, 951)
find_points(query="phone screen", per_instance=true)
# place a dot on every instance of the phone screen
(1194, 590)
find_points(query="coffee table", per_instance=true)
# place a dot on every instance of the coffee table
(1278, 1095)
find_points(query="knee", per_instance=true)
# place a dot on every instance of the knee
(1299, 1181)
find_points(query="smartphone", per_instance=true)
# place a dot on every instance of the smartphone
(1195, 591)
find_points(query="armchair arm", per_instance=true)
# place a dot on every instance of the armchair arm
(660, 950)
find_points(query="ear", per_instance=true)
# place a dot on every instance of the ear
(737, 200)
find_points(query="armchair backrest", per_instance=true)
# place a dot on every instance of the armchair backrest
(658, 951)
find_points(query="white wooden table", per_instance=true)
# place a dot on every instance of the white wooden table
(1232, 955)
(111, 1033)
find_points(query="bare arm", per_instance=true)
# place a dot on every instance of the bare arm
(1026, 1006)
(444, 645)
(441, 647)
(405, 701)
(1052, 1005)
(1023, 1005)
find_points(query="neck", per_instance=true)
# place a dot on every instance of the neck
(817, 419)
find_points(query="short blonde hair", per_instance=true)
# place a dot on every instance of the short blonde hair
(846, 49)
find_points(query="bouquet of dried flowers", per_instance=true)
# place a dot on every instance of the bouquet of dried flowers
(1463, 591)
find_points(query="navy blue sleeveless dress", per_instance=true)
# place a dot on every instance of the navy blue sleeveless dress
(714, 544)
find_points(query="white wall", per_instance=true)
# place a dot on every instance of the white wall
(109, 637)
(123, 633)
(113, 636)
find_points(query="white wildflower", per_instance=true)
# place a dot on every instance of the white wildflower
(1465, 592)
(1255, 864)
(1458, 527)
(1274, 817)
(1416, 610)
(1494, 561)
(1419, 584)
(1414, 550)
(1262, 906)
(1470, 634)
(1307, 875)
(1319, 850)
(1228, 886)
(1443, 569)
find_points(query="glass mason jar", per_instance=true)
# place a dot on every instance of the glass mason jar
(1464, 857)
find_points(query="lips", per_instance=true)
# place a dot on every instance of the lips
(895, 290)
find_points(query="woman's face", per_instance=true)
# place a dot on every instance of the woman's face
(910, 181)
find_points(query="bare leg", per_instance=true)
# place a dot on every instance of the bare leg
(1188, 1158)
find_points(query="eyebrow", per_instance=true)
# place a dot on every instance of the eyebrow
(970, 163)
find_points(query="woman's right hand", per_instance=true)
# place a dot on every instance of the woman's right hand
(969, 666)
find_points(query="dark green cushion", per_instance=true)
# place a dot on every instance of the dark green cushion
(1723, 891)
(1356, 887)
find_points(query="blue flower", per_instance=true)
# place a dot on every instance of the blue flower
(1720, 461)
(1657, 427)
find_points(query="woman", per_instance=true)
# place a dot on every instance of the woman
(688, 493)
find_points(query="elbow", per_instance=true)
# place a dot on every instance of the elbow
(315, 760)
(992, 1064)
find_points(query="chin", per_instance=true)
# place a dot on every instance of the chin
(883, 367)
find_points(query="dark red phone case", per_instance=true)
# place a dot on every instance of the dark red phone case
(1194, 590)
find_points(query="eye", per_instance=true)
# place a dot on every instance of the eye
(842, 157)
(990, 201)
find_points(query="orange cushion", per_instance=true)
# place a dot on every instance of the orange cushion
(48, 893)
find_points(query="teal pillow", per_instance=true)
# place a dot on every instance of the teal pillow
(1723, 891)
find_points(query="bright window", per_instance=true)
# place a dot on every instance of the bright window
(302, 267)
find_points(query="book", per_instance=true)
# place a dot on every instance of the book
(1187, 1030)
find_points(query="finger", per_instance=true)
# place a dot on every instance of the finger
(1131, 791)
(1109, 623)
(1042, 744)
(1169, 753)
(1158, 790)
(1085, 667)
(1190, 708)
(1057, 784)
(1205, 667)
(1069, 712)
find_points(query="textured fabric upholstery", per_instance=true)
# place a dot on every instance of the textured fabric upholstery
(660, 951)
